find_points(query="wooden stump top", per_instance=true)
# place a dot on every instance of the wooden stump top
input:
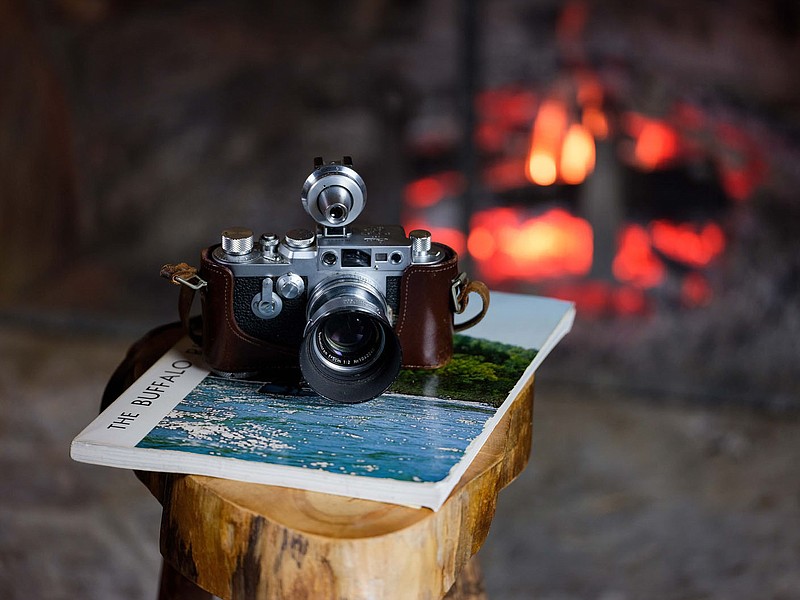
(245, 540)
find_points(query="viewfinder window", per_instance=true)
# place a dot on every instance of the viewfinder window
(353, 257)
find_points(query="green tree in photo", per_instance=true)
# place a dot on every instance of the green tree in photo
(480, 371)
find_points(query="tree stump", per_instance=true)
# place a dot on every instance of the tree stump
(241, 540)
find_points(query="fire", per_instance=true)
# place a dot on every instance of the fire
(656, 143)
(696, 246)
(590, 97)
(594, 119)
(481, 244)
(577, 155)
(555, 247)
(635, 261)
(692, 245)
(504, 175)
(542, 168)
(431, 190)
(509, 246)
(559, 150)
(601, 298)
(546, 138)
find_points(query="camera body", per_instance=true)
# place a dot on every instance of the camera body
(346, 305)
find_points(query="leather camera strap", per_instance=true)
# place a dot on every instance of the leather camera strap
(181, 274)
(482, 290)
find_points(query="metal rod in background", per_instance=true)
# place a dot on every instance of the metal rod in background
(468, 53)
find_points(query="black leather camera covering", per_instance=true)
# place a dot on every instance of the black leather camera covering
(287, 326)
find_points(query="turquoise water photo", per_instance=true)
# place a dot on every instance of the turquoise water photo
(396, 436)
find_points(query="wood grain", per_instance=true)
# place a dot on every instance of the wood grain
(242, 540)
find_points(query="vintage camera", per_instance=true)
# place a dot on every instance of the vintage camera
(342, 306)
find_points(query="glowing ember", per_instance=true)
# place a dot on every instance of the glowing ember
(481, 244)
(656, 144)
(601, 298)
(507, 108)
(695, 290)
(690, 244)
(428, 191)
(635, 262)
(508, 246)
(594, 119)
(505, 175)
(693, 245)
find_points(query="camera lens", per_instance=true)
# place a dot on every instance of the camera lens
(350, 352)
(349, 341)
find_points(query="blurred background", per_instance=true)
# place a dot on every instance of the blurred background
(640, 159)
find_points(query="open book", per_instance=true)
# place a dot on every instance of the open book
(409, 446)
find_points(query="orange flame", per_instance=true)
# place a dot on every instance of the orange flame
(590, 98)
(559, 150)
(594, 119)
(546, 138)
(577, 154)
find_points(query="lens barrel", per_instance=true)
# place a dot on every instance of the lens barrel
(349, 353)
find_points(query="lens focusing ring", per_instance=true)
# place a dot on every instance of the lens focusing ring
(344, 292)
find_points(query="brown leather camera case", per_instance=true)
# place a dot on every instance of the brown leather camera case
(424, 324)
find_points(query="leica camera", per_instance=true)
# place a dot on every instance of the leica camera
(339, 305)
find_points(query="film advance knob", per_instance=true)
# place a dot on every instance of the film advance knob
(422, 250)
(420, 242)
(237, 241)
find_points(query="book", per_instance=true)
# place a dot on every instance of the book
(410, 446)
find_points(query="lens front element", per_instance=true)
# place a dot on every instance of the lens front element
(349, 341)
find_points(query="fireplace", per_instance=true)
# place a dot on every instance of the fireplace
(644, 185)
(586, 191)
(638, 159)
